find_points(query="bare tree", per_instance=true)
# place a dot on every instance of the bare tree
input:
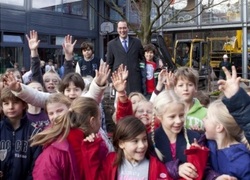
(149, 23)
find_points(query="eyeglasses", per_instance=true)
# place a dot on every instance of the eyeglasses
(53, 80)
(141, 111)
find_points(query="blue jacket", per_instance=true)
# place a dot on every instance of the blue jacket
(239, 107)
(234, 161)
(17, 158)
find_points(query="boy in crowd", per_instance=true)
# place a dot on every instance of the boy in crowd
(184, 82)
(17, 158)
(149, 52)
(89, 63)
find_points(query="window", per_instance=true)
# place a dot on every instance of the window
(13, 38)
(73, 7)
(13, 2)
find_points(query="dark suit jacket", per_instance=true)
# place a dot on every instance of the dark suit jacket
(116, 55)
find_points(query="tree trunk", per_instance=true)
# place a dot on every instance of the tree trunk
(145, 30)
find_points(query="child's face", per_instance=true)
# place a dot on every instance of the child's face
(210, 127)
(87, 53)
(56, 109)
(36, 86)
(72, 91)
(135, 100)
(50, 82)
(185, 89)
(135, 149)
(144, 112)
(18, 76)
(173, 119)
(13, 109)
(149, 55)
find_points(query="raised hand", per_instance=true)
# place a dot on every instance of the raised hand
(169, 83)
(123, 70)
(33, 43)
(161, 79)
(102, 75)
(11, 82)
(119, 83)
(68, 47)
(232, 83)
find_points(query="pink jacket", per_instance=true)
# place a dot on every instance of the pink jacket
(58, 161)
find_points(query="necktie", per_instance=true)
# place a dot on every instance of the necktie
(125, 45)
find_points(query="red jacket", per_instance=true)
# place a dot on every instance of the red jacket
(157, 170)
(123, 109)
(59, 162)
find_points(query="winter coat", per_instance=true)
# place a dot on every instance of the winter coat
(123, 109)
(17, 158)
(59, 161)
(239, 107)
(157, 170)
(233, 160)
(163, 144)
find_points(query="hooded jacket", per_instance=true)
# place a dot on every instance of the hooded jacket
(233, 160)
(195, 115)
(239, 107)
(17, 158)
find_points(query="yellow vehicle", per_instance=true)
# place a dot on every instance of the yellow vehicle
(206, 53)
(193, 53)
(232, 46)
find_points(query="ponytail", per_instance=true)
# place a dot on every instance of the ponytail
(243, 140)
(59, 128)
(157, 151)
(186, 138)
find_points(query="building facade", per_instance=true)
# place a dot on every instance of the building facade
(53, 19)
(187, 19)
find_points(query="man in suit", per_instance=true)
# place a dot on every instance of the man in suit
(128, 51)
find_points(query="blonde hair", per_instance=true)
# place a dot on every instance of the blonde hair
(78, 116)
(188, 73)
(57, 98)
(164, 100)
(53, 72)
(140, 95)
(232, 129)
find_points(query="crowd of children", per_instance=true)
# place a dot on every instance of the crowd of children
(53, 128)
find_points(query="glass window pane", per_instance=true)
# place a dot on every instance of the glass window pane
(222, 12)
(13, 2)
(50, 5)
(9, 56)
(75, 7)
(12, 38)
(179, 13)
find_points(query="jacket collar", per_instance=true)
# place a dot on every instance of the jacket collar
(23, 121)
